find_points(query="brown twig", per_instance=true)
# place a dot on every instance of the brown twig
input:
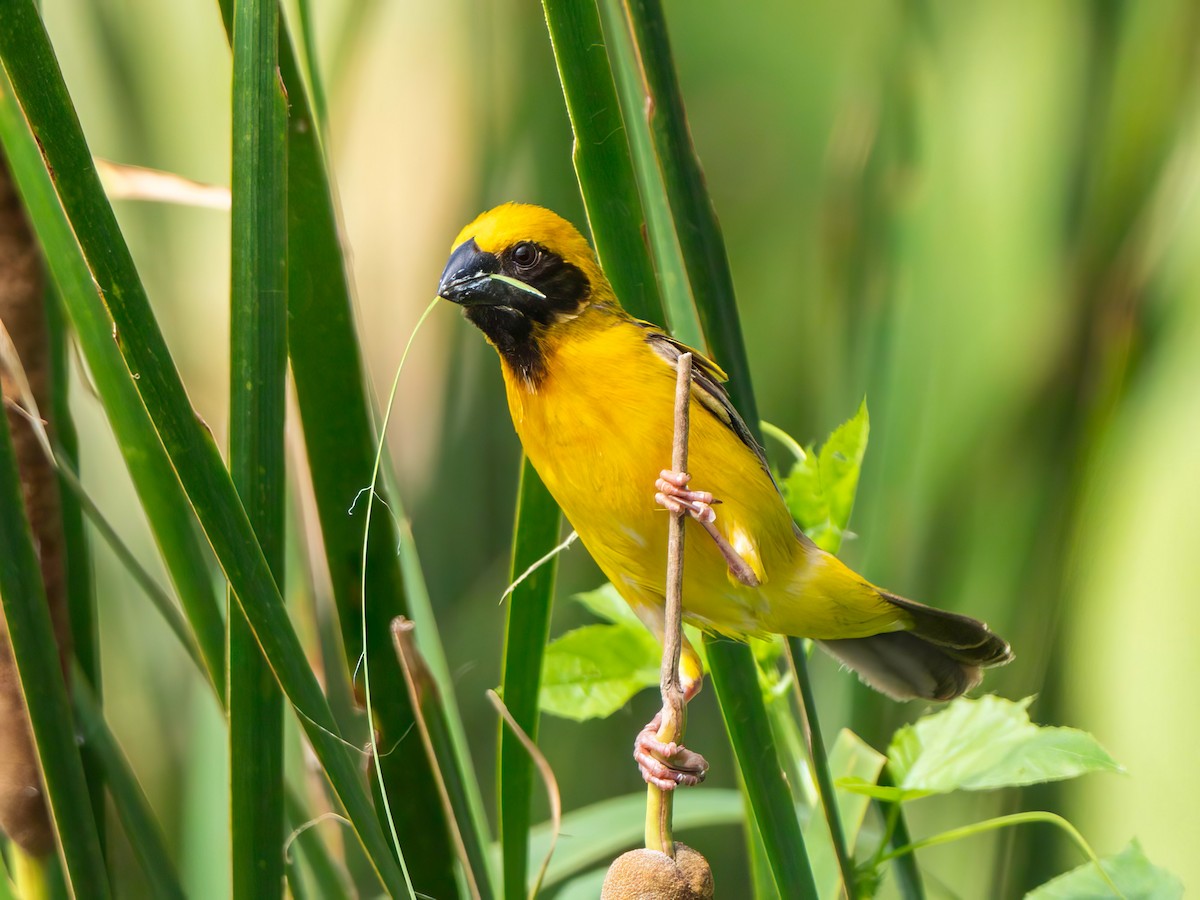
(659, 834)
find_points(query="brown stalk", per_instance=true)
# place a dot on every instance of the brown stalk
(23, 814)
(659, 834)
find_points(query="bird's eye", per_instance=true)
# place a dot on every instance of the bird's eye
(525, 255)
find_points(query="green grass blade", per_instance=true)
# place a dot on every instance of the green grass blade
(601, 155)
(904, 867)
(340, 441)
(436, 736)
(162, 602)
(526, 630)
(129, 802)
(258, 367)
(735, 677)
(81, 599)
(669, 262)
(695, 222)
(474, 817)
(36, 654)
(119, 298)
(820, 764)
(329, 878)
(158, 489)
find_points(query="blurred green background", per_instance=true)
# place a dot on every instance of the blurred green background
(983, 216)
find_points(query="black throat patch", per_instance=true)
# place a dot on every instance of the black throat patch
(516, 326)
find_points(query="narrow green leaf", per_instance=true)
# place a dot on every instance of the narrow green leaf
(735, 678)
(821, 769)
(81, 598)
(989, 743)
(340, 441)
(129, 802)
(306, 842)
(695, 226)
(159, 492)
(475, 820)
(602, 161)
(850, 757)
(669, 176)
(118, 306)
(434, 729)
(593, 671)
(31, 634)
(635, 97)
(1130, 870)
(905, 871)
(526, 630)
(258, 367)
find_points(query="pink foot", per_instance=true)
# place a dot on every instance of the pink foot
(666, 766)
(673, 495)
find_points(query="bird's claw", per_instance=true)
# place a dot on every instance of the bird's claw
(673, 495)
(667, 765)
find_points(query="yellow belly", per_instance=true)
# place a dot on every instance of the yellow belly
(598, 429)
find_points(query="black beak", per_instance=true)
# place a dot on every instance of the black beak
(467, 279)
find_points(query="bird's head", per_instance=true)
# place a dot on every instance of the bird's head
(518, 271)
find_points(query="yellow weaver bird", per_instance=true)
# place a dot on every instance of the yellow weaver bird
(591, 391)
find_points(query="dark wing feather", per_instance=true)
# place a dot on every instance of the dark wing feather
(707, 377)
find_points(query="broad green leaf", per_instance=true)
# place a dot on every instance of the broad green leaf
(1130, 870)
(605, 603)
(593, 671)
(984, 744)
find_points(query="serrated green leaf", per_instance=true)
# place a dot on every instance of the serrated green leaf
(841, 460)
(989, 743)
(593, 671)
(802, 489)
(1130, 870)
(821, 487)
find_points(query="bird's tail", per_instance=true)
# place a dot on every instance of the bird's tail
(941, 656)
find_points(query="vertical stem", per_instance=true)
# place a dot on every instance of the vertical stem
(674, 721)
(820, 761)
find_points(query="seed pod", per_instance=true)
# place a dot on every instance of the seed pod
(650, 875)
(23, 814)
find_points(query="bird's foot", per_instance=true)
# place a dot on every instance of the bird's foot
(666, 765)
(673, 495)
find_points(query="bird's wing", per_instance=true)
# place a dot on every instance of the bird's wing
(707, 377)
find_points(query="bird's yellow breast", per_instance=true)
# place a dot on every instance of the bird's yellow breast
(598, 428)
